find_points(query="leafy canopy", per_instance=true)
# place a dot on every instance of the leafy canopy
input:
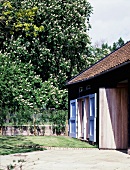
(42, 44)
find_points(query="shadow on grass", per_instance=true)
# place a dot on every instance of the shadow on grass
(17, 144)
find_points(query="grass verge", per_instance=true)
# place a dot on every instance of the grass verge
(21, 144)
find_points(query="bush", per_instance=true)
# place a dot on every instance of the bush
(58, 119)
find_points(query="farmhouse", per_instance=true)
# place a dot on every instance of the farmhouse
(99, 101)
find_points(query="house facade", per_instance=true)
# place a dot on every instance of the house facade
(99, 102)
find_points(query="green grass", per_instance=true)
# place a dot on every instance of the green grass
(59, 141)
(18, 144)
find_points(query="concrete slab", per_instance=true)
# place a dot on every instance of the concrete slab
(60, 159)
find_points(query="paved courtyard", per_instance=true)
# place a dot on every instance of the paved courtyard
(60, 159)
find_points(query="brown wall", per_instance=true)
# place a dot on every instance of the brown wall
(83, 132)
(79, 118)
(113, 119)
(87, 116)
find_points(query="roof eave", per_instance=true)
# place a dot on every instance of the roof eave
(106, 71)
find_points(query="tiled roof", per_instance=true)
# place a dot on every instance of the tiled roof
(113, 60)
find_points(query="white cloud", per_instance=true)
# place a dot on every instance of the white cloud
(110, 20)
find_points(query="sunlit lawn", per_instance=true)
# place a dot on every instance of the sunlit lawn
(18, 144)
(59, 141)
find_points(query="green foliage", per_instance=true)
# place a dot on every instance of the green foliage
(58, 119)
(18, 20)
(54, 117)
(99, 51)
(53, 96)
(20, 88)
(53, 34)
(117, 44)
(42, 44)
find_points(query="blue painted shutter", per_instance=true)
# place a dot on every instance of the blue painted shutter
(72, 121)
(92, 117)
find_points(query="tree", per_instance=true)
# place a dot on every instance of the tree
(97, 52)
(52, 36)
(53, 33)
(117, 44)
(20, 88)
(100, 50)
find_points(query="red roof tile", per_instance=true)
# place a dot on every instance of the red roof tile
(113, 60)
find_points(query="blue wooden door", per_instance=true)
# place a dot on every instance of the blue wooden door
(92, 117)
(72, 121)
(82, 120)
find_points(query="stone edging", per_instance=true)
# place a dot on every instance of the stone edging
(61, 148)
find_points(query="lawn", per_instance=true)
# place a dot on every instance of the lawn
(59, 141)
(19, 144)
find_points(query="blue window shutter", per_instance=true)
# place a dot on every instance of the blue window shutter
(92, 117)
(72, 121)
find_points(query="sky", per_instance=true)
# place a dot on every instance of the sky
(110, 21)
